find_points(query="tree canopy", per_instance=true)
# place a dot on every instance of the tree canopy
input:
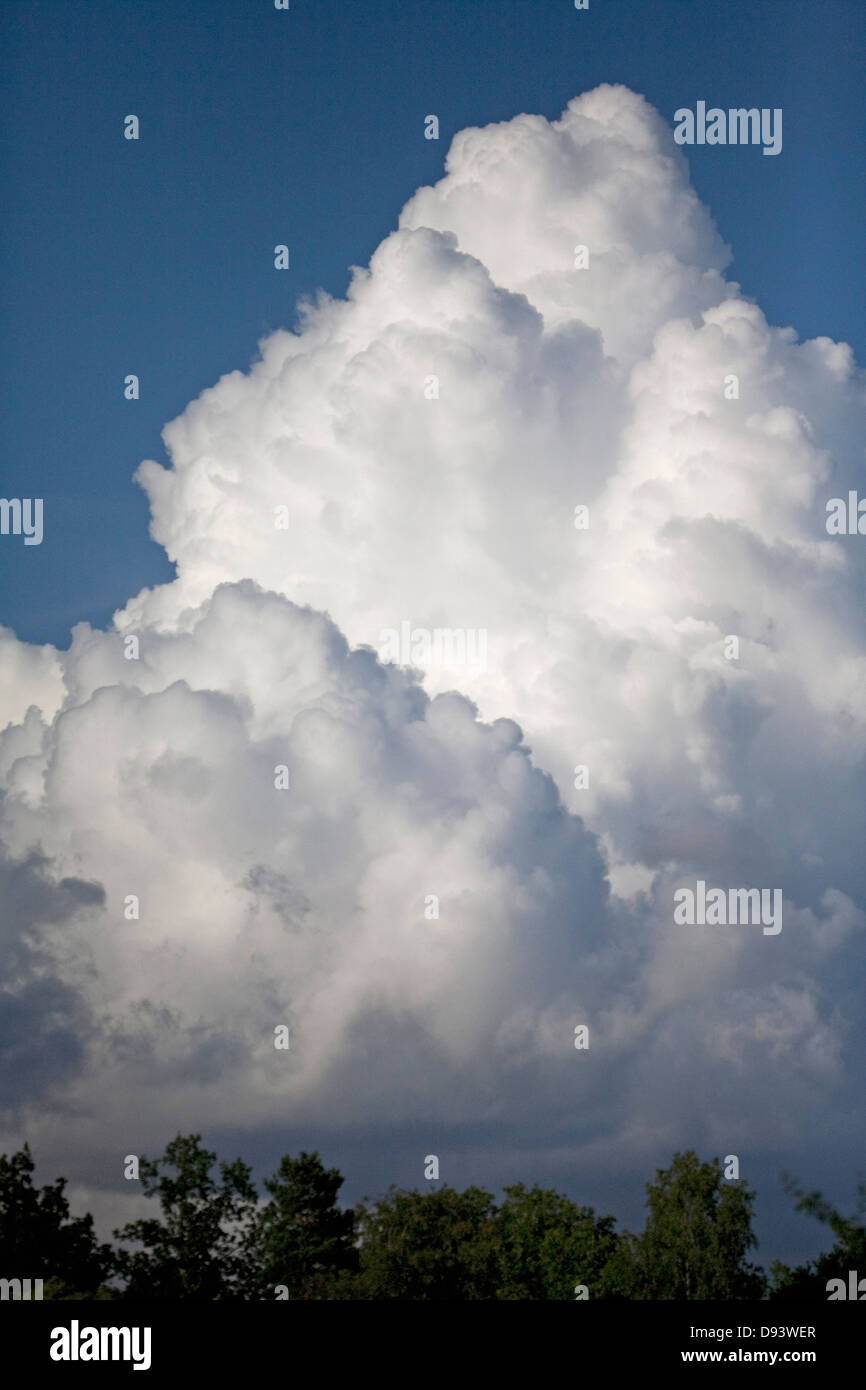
(810, 1280)
(697, 1235)
(213, 1237)
(40, 1240)
(197, 1250)
(302, 1241)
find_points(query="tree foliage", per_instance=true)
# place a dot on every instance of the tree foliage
(432, 1245)
(302, 1240)
(697, 1235)
(199, 1249)
(215, 1239)
(39, 1239)
(809, 1281)
(547, 1245)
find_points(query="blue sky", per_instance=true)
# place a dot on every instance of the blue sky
(260, 126)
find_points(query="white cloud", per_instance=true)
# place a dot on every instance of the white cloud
(29, 676)
(557, 387)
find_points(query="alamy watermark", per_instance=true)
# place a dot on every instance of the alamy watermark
(17, 1289)
(855, 1291)
(22, 516)
(76, 1343)
(845, 520)
(441, 646)
(736, 907)
(733, 127)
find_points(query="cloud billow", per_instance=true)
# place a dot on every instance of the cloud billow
(452, 506)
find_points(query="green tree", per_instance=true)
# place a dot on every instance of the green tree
(809, 1281)
(620, 1277)
(546, 1245)
(432, 1245)
(697, 1235)
(302, 1239)
(39, 1239)
(199, 1250)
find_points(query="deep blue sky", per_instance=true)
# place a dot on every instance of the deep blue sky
(306, 127)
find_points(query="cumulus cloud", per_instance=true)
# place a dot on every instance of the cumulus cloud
(603, 387)
(417, 873)
(428, 440)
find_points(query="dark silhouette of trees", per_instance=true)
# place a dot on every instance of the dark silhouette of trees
(215, 1239)
(427, 1245)
(198, 1250)
(302, 1241)
(809, 1281)
(39, 1239)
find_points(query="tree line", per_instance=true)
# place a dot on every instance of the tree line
(212, 1238)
